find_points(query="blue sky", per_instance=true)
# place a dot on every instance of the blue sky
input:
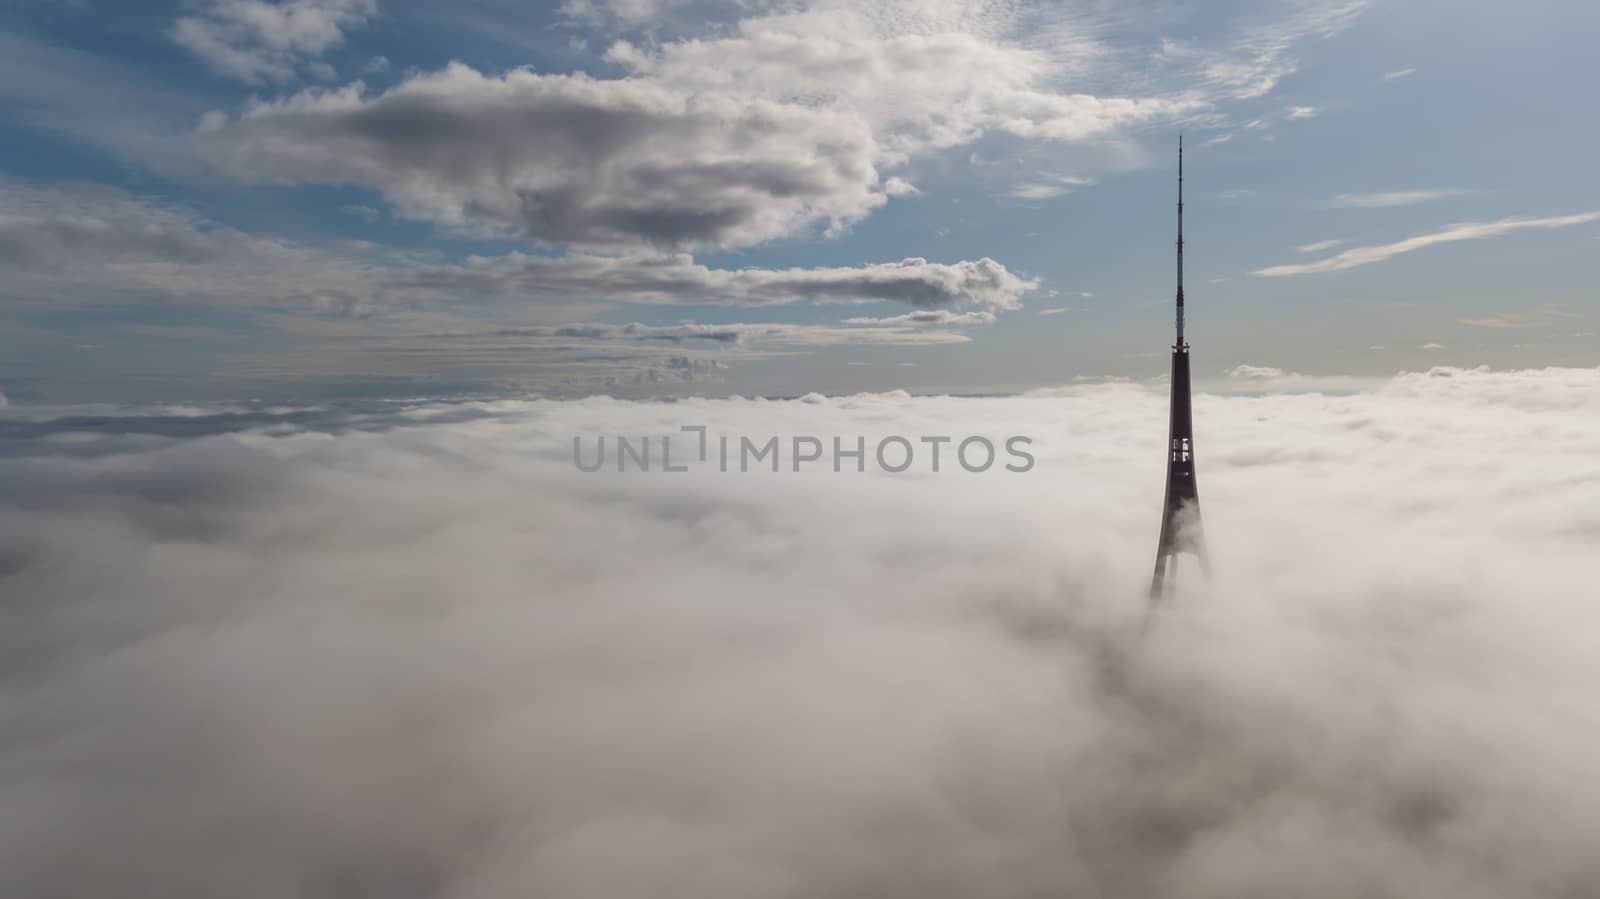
(243, 198)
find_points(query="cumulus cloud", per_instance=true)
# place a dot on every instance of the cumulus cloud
(791, 124)
(258, 41)
(1359, 256)
(409, 649)
(567, 159)
(900, 187)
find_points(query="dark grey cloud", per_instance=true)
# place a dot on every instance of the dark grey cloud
(678, 279)
(566, 159)
(77, 244)
(730, 333)
(928, 317)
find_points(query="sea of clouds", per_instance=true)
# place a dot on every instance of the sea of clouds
(409, 650)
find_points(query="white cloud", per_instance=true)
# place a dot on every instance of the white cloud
(410, 644)
(1318, 246)
(1266, 378)
(1397, 73)
(1255, 372)
(1358, 256)
(1302, 112)
(1507, 322)
(257, 41)
(1252, 64)
(793, 119)
(568, 159)
(899, 187)
(1049, 186)
(1388, 199)
(794, 122)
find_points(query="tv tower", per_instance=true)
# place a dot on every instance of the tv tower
(1180, 515)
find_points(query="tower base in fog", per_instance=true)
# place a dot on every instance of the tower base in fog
(1180, 515)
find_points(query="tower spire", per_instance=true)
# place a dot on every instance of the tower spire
(1180, 239)
(1180, 514)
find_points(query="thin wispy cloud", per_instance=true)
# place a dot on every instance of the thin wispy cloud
(1253, 64)
(1050, 186)
(928, 317)
(1544, 315)
(1499, 323)
(1302, 112)
(1386, 199)
(1359, 256)
(1318, 246)
(1397, 73)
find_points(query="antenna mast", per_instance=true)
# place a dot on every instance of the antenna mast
(1180, 240)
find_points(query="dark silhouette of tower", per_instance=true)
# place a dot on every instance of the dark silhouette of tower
(1180, 514)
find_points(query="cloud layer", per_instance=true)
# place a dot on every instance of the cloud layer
(81, 243)
(409, 650)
